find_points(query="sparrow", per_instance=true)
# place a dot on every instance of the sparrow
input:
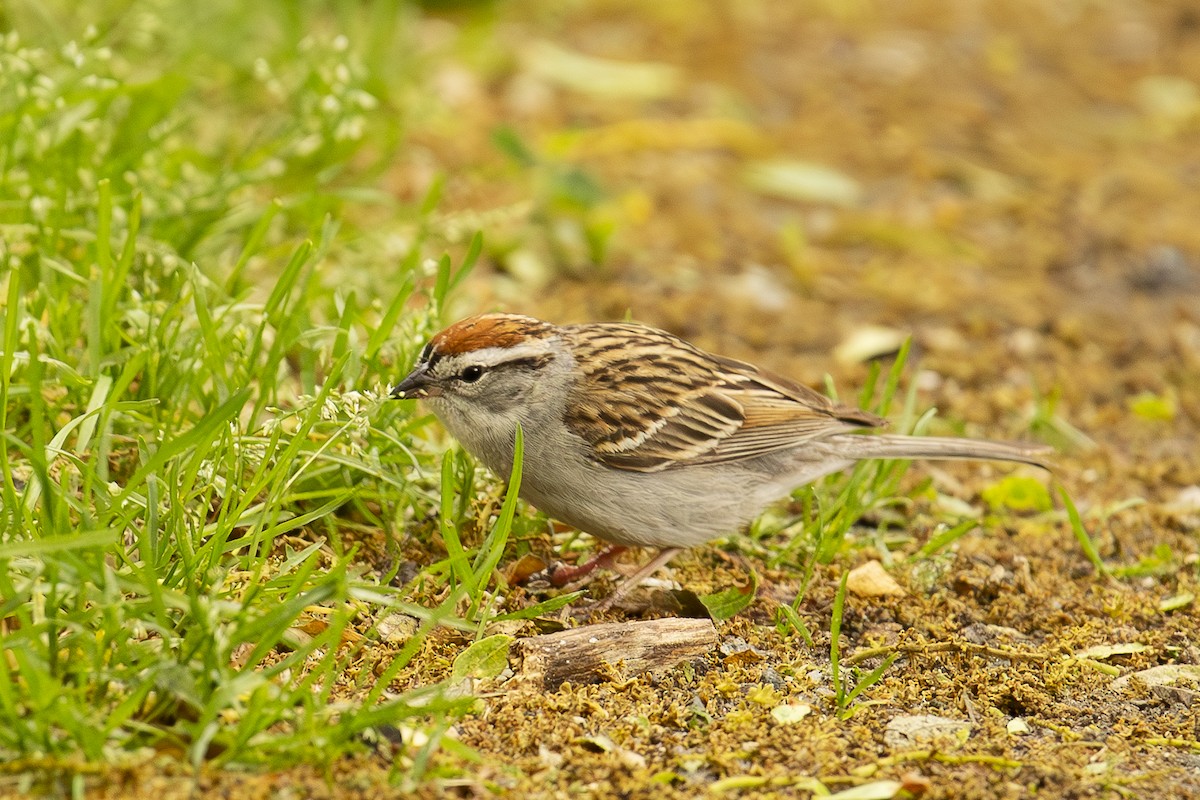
(642, 439)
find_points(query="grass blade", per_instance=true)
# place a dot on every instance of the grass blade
(1081, 535)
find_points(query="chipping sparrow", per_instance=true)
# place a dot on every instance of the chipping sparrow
(639, 438)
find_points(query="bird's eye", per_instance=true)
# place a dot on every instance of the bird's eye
(472, 373)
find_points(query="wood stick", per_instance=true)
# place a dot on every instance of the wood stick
(612, 651)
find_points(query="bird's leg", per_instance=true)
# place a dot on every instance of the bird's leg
(631, 583)
(564, 574)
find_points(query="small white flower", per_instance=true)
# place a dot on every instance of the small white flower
(39, 207)
(364, 100)
(350, 129)
(308, 145)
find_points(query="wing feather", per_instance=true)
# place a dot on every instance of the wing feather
(649, 401)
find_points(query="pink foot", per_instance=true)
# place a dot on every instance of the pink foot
(564, 574)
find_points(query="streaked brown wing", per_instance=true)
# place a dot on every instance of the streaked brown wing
(649, 401)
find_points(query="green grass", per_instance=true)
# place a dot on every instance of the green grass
(191, 411)
(835, 505)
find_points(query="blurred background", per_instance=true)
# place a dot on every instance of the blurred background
(1015, 184)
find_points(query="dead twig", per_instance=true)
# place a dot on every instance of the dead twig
(943, 647)
(597, 653)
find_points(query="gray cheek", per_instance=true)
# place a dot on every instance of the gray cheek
(504, 396)
(442, 408)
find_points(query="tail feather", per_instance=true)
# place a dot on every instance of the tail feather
(938, 447)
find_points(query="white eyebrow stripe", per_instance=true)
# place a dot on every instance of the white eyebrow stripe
(495, 356)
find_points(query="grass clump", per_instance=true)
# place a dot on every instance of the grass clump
(831, 508)
(171, 429)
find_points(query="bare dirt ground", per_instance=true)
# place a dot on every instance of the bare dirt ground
(1028, 212)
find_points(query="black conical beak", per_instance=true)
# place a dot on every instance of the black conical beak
(418, 384)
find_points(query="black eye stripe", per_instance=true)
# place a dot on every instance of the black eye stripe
(471, 373)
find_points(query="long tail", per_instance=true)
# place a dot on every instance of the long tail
(939, 447)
